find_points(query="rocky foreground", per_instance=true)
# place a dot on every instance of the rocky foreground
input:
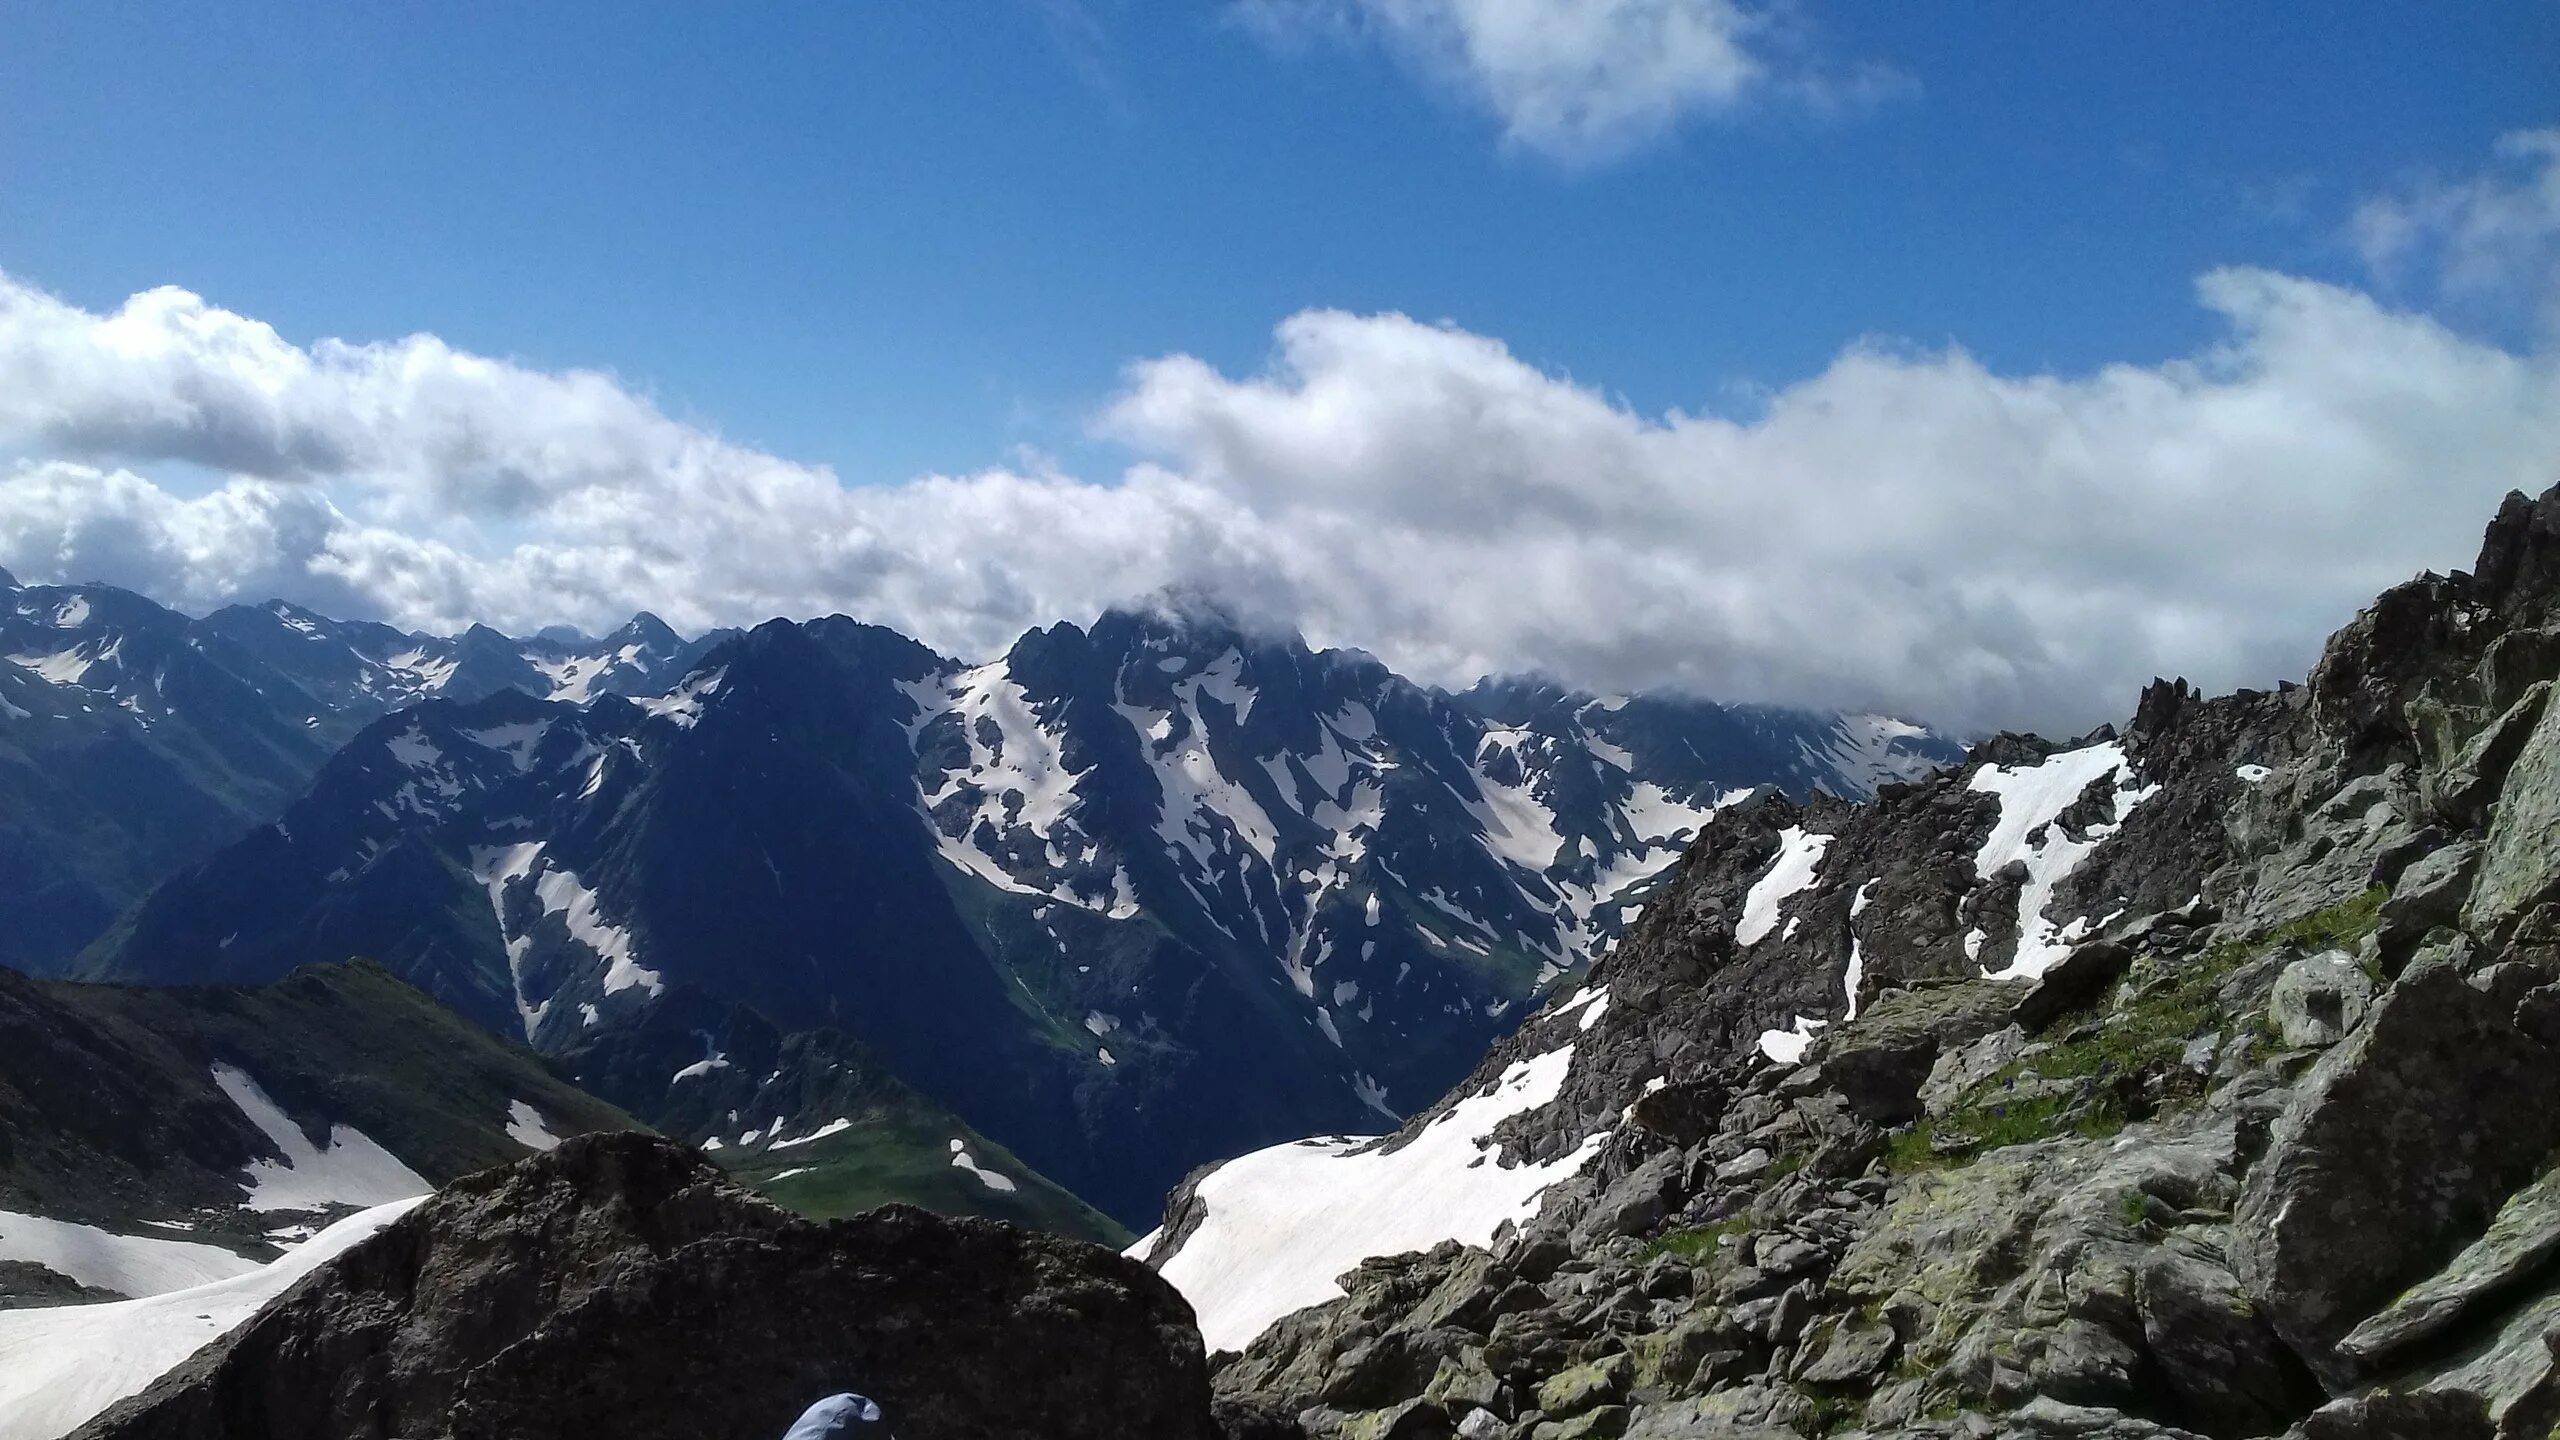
(622, 1286)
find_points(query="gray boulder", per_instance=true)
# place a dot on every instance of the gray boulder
(2318, 999)
(2366, 1187)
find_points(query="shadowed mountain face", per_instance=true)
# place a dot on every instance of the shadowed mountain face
(135, 740)
(1128, 899)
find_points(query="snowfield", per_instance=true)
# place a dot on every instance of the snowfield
(1281, 1223)
(126, 1264)
(61, 1365)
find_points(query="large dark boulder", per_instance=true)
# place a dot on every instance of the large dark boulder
(622, 1286)
(2395, 1153)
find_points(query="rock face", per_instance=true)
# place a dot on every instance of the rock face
(620, 1285)
(2254, 1135)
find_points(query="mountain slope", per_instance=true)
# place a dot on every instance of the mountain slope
(161, 1126)
(2197, 1080)
(1124, 900)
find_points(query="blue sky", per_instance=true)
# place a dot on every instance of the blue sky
(900, 237)
(1970, 362)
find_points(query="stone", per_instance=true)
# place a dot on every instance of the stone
(1633, 1205)
(1463, 1383)
(2521, 1240)
(1601, 1382)
(1482, 1425)
(1464, 1299)
(2464, 788)
(1244, 1418)
(2365, 1185)
(1745, 1412)
(569, 1295)
(1853, 1353)
(1746, 1167)
(2230, 1373)
(1879, 1061)
(2429, 895)
(1409, 1420)
(2318, 999)
(2045, 1418)
(2384, 1415)
(2076, 981)
(2520, 859)
(1966, 1066)
(1606, 1423)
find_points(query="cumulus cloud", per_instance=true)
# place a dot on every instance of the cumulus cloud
(1906, 530)
(2492, 237)
(1581, 81)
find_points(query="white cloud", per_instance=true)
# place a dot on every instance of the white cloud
(1580, 80)
(2492, 237)
(1908, 531)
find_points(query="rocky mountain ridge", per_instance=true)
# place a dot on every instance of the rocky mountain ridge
(2193, 1080)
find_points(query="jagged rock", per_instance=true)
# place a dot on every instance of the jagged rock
(1878, 1062)
(1241, 1418)
(1606, 1423)
(2522, 1239)
(2074, 982)
(1966, 1066)
(1682, 1113)
(2045, 1418)
(1635, 1204)
(1409, 1420)
(2419, 1415)
(1601, 1382)
(622, 1285)
(2318, 999)
(2520, 860)
(1746, 1412)
(2429, 894)
(2467, 782)
(2365, 1185)
(1852, 1353)
(2230, 1374)
(1746, 1167)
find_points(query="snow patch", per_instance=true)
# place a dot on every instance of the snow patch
(1788, 1046)
(526, 1127)
(1798, 865)
(1280, 1223)
(991, 1179)
(352, 1170)
(2030, 797)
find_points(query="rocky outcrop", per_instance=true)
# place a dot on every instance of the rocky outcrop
(620, 1285)
(2259, 1139)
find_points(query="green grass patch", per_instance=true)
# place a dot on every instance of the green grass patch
(1698, 1241)
(2104, 1049)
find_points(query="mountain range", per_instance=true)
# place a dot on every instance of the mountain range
(1128, 898)
(135, 740)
